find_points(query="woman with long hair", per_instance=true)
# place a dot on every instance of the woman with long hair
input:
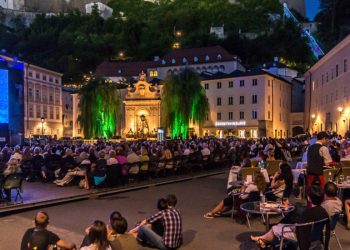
(282, 182)
(98, 239)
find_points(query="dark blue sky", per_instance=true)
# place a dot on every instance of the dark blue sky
(312, 8)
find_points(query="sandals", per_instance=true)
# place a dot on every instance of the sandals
(262, 244)
(208, 216)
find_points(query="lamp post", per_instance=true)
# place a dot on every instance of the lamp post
(313, 116)
(42, 126)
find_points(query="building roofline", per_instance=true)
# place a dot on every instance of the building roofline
(334, 50)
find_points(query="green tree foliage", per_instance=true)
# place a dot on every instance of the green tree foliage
(99, 107)
(183, 101)
(76, 43)
(334, 22)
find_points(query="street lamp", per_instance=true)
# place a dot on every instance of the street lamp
(42, 125)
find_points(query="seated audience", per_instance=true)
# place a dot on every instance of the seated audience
(119, 238)
(331, 203)
(98, 239)
(226, 204)
(40, 238)
(303, 235)
(172, 237)
(281, 183)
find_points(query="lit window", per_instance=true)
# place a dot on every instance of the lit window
(241, 115)
(254, 115)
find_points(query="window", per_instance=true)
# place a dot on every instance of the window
(280, 117)
(268, 83)
(51, 112)
(45, 111)
(44, 94)
(57, 97)
(57, 113)
(38, 111)
(44, 77)
(30, 93)
(327, 77)
(51, 98)
(218, 101)
(230, 84)
(37, 94)
(230, 115)
(153, 73)
(241, 115)
(336, 70)
(206, 85)
(30, 73)
(207, 116)
(31, 111)
(56, 80)
(37, 76)
(268, 100)
(345, 65)
(268, 115)
(280, 102)
(241, 83)
(218, 85)
(255, 82)
(241, 100)
(254, 115)
(322, 79)
(254, 99)
(218, 116)
(50, 79)
(230, 100)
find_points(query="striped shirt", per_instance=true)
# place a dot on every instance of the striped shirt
(172, 237)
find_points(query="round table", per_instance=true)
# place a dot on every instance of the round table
(254, 208)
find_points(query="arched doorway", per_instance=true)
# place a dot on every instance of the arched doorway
(298, 130)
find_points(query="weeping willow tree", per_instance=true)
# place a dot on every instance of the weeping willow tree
(99, 107)
(183, 101)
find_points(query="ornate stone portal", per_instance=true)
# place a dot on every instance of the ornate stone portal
(142, 110)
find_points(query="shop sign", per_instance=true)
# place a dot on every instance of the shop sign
(230, 123)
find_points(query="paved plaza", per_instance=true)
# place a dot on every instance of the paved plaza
(195, 197)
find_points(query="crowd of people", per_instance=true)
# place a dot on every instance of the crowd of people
(63, 163)
(162, 230)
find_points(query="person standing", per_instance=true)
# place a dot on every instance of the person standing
(317, 157)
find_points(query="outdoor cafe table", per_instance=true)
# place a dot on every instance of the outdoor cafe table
(277, 209)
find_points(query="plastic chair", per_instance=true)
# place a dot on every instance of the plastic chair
(312, 224)
(333, 223)
(14, 181)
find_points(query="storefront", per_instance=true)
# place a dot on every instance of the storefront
(223, 129)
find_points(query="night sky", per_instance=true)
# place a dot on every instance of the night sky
(312, 8)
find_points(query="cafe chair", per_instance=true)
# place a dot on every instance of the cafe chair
(316, 228)
(14, 181)
(333, 223)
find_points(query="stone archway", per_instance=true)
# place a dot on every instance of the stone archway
(297, 130)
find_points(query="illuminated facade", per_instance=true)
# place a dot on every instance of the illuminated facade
(42, 102)
(142, 110)
(248, 105)
(327, 91)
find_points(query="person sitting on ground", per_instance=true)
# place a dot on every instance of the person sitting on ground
(97, 237)
(40, 238)
(119, 238)
(331, 203)
(226, 204)
(77, 171)
(303, 235)
(172, 237)
(281, 183)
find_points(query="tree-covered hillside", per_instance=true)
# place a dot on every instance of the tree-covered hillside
(75, 43)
